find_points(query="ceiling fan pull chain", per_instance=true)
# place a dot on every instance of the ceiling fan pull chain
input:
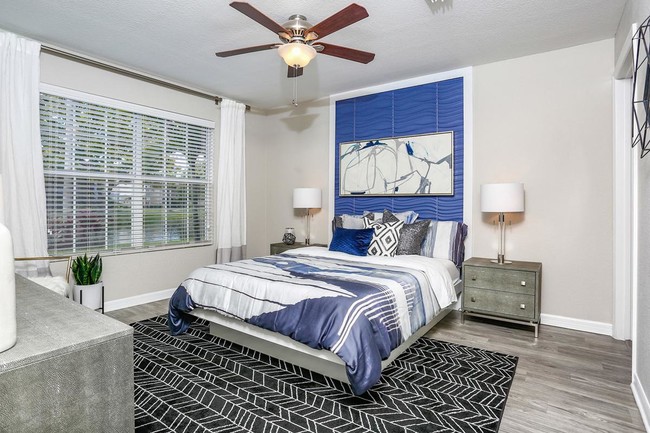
(295, 92)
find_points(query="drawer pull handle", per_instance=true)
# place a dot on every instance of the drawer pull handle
(523, 283)
(473, 299)
(473, 277)
(522, 306)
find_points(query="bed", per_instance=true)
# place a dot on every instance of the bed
(363, 310)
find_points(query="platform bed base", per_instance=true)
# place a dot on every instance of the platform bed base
(288, 350)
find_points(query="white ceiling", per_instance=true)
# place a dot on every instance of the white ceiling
(177, 39)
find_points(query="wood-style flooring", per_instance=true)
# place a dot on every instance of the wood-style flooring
(566, 381)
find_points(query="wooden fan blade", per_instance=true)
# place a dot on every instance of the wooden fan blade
(342, 18)
(246, 50)
(294, 72)
(258, 17)
(347, 53)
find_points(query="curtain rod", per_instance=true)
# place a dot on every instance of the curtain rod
(130, 74)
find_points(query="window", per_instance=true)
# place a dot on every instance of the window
(120, 177)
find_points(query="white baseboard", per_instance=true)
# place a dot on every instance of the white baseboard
(576, 324)
(641, 400)
(138, 300)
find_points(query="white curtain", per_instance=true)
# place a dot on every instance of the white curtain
(21, 162)
(231, 184)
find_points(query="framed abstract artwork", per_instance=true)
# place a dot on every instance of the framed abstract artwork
(641, 88)
(410, 165)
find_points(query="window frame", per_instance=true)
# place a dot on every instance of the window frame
(139, 247)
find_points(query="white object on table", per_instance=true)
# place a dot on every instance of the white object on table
(7, 291)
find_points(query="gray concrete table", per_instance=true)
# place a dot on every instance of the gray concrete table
(71, 369)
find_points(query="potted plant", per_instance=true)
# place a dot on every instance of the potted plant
(88, 289)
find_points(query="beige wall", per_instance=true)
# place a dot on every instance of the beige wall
(288, 149)
(546, 120)
(259, 133)
(642, 338)
(564, 162)
(636, 11)
(140, 273)
(285, 149)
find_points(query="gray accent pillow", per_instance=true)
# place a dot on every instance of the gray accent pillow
(388, 217)
(352, 221)
(408, 217)
(337, 222)
(412, 236)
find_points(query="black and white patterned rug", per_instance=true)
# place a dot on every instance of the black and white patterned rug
(200, 383)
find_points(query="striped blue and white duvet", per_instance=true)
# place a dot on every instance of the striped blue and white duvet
(360, 308)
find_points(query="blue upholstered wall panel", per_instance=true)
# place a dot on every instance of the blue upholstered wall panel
(433, 107)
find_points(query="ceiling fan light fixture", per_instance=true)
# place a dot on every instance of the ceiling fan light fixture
(297, 54)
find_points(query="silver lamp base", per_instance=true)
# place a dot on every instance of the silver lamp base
(501, 252)
(500, 260)
(307, 238)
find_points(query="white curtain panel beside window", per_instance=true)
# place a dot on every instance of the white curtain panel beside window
(231, 184)
(21, 162)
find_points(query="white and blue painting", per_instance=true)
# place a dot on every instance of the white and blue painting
(412, 165)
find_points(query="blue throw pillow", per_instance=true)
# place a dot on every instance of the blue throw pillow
(351, 241)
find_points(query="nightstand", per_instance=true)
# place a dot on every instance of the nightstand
(509, 292)
(281, 247)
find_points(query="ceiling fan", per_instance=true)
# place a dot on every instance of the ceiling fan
(300, 41)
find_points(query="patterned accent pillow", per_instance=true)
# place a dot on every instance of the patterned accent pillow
(412, 236)
(369, 221)
(445, 240)
(385, 238)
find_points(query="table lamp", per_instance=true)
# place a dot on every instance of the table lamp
(502, 198)
(307, 198)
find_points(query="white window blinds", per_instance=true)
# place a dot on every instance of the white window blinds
(118, 180)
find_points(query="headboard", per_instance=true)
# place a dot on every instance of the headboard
(422, 109)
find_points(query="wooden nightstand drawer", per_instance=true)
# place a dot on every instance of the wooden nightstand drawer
(279, 247)
(508, 292)
(500, 279)
(500, 303)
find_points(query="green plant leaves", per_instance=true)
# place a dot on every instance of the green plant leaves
(87, 271)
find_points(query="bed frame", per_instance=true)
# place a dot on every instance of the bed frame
(286, 349)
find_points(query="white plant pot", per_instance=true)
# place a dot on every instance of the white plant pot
(89, 296)
(7, 291)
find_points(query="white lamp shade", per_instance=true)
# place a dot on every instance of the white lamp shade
(297, 54)
(306, 198)
(502, 197)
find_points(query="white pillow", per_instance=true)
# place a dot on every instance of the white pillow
(56, 284)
